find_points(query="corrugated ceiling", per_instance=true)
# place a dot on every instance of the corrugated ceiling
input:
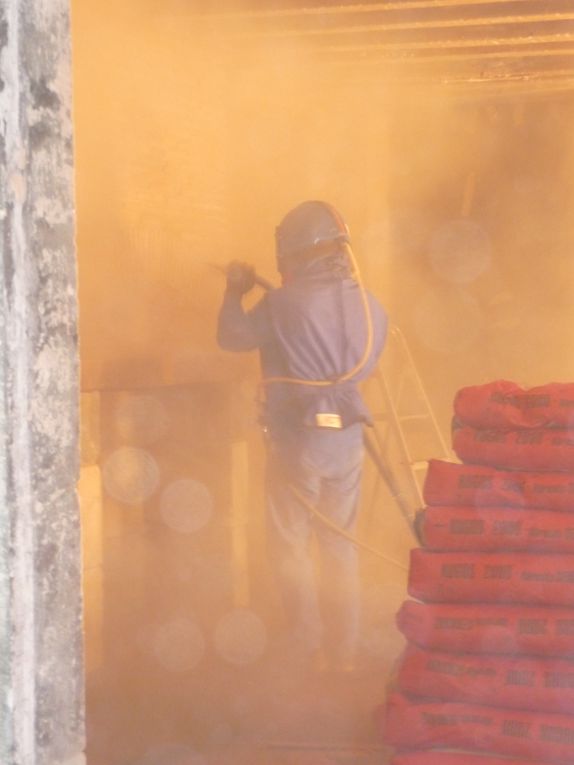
(491, 44)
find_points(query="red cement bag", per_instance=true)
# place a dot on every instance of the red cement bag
(462, 577)
(536, 449)
(448, 483)
(526, 682)
(484, 628)
(428, 757)
(493, 529)
(505, 405)
(535, 735)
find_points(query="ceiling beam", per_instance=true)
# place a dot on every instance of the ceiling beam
(415, 25)
(563, 81)
(563, 86)
(482, 76)
(477, 42)
(418, 59)
(346, 9)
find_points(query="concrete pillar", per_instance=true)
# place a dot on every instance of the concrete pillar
(41, 668)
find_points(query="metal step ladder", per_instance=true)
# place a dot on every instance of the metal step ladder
(406, 431)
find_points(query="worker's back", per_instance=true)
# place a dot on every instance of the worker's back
(320, 323)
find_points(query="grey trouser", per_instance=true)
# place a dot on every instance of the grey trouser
(325, 466)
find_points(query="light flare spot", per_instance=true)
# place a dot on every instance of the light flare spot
(460, 251)
(186, 505)
(130, 475)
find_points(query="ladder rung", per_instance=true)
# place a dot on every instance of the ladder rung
(381, 416)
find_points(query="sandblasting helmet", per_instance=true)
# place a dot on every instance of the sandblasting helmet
(307, 225)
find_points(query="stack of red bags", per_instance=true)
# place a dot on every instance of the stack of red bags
(489, 665)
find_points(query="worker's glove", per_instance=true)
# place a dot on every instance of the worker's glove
(240, 277)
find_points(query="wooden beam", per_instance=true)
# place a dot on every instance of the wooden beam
(349, 10)
(476, 42)
(545, 59)
(470, 56)
(563, 79)
(415, 25)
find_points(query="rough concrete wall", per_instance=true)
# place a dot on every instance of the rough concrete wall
(41, 686)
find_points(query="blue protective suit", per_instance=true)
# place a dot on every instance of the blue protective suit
(312, 328)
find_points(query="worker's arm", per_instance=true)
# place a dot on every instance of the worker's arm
(240, 330)
(237, 329)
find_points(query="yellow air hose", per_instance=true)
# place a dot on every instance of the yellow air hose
(341, 532)
(325, 383)
(368, 343)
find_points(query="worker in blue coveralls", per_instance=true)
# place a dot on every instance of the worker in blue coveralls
(318, 335)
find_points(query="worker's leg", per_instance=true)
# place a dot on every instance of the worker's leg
(289, 537)
(342, 452)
